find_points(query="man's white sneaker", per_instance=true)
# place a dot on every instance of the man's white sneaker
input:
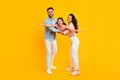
(75, 73)
(48, 71)
(70, 69)
(53, 67)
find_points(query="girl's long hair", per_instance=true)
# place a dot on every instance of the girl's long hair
(61, 19)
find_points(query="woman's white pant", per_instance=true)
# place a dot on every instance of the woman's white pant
(51, 49)
(74, 52)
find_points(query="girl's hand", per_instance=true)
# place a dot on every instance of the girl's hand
(40, 24)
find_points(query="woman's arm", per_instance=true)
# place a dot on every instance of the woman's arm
(68, 28)
(65, 32)
(78, 30)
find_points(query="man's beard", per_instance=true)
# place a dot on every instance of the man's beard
(50, 16)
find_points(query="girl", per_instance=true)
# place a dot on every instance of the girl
(60, 25)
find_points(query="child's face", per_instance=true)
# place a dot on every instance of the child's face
(60, 22)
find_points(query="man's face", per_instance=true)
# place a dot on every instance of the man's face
(50, 13)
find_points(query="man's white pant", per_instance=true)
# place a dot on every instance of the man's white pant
(51, 49)
(74, 52)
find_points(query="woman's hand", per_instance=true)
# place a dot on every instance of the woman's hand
(79, 31)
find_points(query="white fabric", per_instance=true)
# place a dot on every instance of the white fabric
(74, 52)
(51, 49)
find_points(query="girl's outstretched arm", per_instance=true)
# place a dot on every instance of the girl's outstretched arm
(47, 25)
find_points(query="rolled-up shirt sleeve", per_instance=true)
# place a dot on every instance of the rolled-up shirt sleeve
(53, 29)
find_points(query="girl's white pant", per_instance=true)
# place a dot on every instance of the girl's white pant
(74, 52)
(51, 49)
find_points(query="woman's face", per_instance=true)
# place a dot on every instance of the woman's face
(69, 19)
(60, 22)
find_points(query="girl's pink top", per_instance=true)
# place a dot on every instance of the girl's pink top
(62, 28)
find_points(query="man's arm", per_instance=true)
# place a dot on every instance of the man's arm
(53, 29)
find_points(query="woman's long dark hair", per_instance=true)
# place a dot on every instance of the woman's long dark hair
(61, 19)
(74, 21)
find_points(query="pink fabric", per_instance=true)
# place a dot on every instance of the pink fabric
(62, 28)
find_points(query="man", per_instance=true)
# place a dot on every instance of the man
(50, 41)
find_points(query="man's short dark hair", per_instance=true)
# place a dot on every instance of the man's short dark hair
(50, 8)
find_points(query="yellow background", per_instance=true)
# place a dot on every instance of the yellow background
(22, 51)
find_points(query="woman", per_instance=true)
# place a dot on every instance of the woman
(72, 26)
